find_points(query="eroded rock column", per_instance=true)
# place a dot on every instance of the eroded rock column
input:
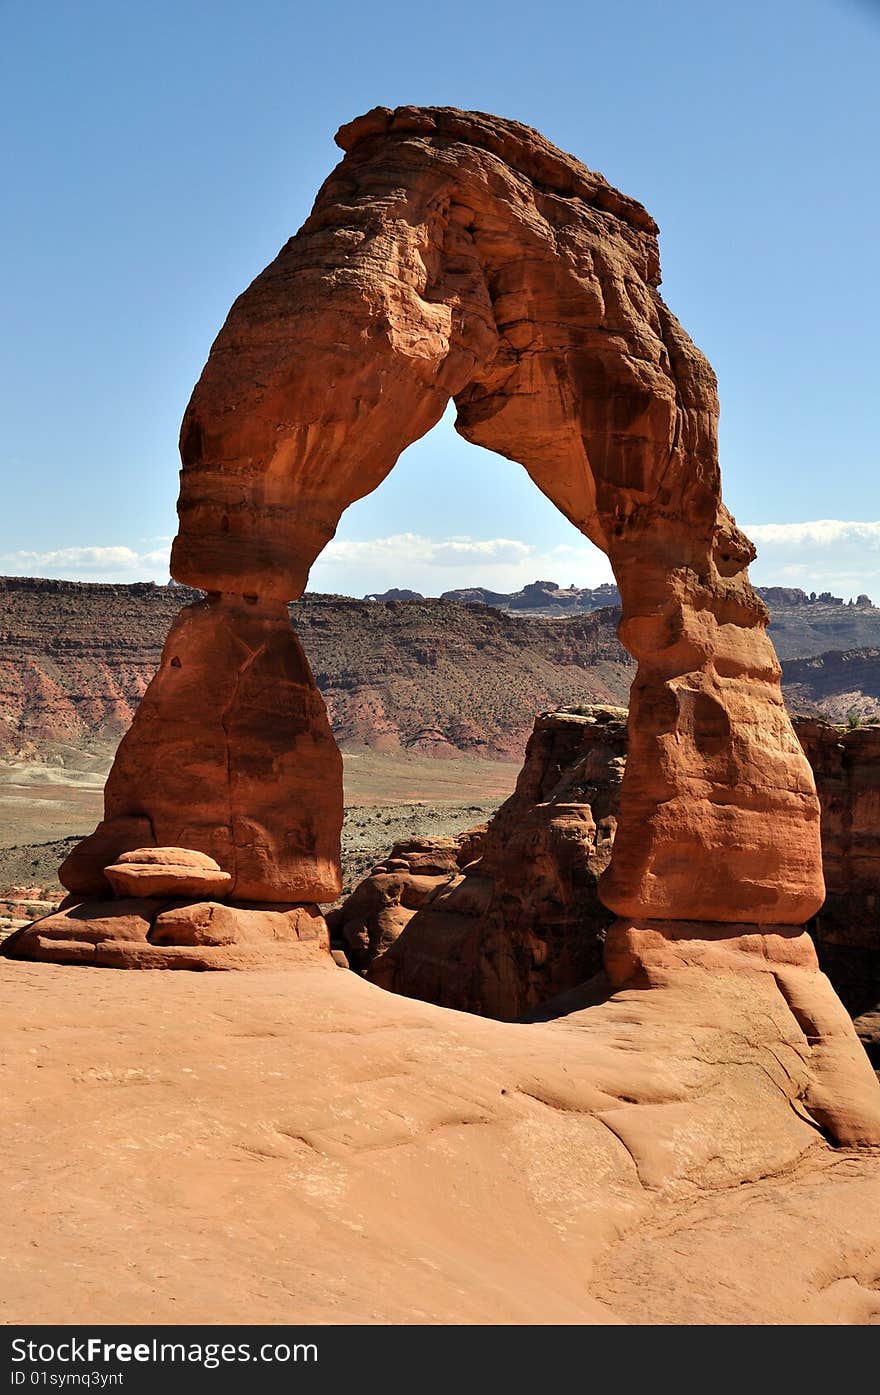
(231, 764)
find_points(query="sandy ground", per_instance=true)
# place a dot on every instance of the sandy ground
(297, 1146)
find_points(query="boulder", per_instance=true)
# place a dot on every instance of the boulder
(381, 906)
(167, 872)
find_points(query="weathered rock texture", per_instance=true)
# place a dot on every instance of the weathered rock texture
(299, 1148)
(847, 928)
(456, 255)
(155, 933)
(523, 922)
(167, 872)
(381, 906)
(231, 755)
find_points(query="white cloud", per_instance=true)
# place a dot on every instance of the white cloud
(824, 532)
(115, 563)
(432, 565)
(435, 552)
(827, 554)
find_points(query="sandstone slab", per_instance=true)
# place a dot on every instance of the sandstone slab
(167, 872)
(156, 933)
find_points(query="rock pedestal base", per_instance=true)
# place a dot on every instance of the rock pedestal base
(149, 933)
(842, 1094)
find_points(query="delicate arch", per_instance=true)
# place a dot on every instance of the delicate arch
(456, 255)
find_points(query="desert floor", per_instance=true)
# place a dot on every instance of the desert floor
(46, 808)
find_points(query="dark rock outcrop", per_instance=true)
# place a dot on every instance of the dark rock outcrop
(381, 906)
(523, 922)
(846, 930)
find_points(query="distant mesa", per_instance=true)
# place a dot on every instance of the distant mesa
(435, 677)
(539, 597)
(793, 595)
(548, 598)
(396, 594)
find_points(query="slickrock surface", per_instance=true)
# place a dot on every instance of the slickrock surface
(290, 1147)
(523, 922)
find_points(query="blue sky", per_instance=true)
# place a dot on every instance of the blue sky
(157, 156)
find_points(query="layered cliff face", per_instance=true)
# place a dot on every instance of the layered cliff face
(76, 659)
(432, 677)
(840, 683)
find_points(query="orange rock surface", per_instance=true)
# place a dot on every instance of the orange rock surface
(458, 255)
(381, 906)
(167, 872)
(231, 754)
(299, 1147)
(841, 1094)
(163, 933)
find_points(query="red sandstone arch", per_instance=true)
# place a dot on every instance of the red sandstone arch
(454, 255)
